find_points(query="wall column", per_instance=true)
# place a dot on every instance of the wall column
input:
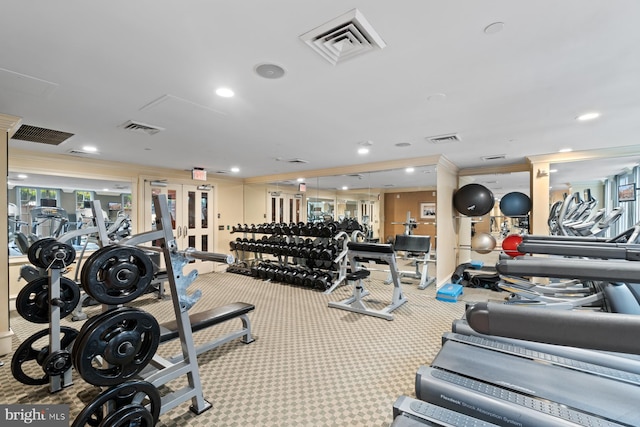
(8, 126)
(539, 182)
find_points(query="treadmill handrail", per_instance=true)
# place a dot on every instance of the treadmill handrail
(583, 329)
(584, 249)
(586, 269)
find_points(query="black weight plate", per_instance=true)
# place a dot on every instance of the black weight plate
(57, 363)
(56, 255)
(32, 302)
(133, 414)
(34, 251)
(124, 338)
(117, 274)
(110, 408)
(26, 353)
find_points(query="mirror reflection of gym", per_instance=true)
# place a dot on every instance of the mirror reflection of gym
(42, 206)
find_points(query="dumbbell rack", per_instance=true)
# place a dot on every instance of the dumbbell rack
(339, 259)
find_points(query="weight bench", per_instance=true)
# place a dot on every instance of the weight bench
(378, 253)
(207, 318)
(418, 250)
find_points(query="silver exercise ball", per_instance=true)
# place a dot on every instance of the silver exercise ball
(483, 243)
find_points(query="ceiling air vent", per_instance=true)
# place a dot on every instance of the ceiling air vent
(77, 152)
(494, 157)
(141, 127)
(343, 37)
(295, 160)
(41, 135)
(444, 139)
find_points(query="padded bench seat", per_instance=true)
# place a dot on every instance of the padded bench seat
(204, 319)
(214, 316)
(370, 247)
(360, 274)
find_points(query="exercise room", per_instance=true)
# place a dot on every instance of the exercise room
(333, 214)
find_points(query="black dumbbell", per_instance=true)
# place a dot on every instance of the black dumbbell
(322, 282)
(279, 275)
(309, 279)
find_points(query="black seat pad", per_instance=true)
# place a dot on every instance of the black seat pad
(204, 319)
(370, 247)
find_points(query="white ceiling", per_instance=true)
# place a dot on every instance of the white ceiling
(88, 67)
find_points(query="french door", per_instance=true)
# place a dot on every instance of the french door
(191, 211)
(284, 208)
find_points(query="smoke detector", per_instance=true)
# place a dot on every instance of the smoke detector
(344, 37)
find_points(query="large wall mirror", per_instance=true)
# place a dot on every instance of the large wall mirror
(598, 190)
(42, 206)
(383, 201)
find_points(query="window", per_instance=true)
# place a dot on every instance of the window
(82, 199)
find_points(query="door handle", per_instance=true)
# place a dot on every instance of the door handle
(179, 230)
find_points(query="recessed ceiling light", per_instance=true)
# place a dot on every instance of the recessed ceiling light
(105, 189)
(409, 170)
(363, 150)
(344, 187)
(23, 176)
(588, 116)
(235, 169)
(300, 179)
(565, 150)
(553, 170)
(494, 28)
(224, 92)
(89, 149)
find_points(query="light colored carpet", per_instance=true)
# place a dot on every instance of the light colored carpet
(310, 365)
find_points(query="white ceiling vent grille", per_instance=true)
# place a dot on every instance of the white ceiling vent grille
(444, 139)
(141, 127)
(343, 37)
(494, 157)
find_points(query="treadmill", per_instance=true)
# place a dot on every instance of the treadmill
(533, 389)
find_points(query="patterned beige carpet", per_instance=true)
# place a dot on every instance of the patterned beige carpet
(310, 365)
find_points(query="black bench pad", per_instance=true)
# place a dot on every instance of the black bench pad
(204, 319)
(360, 274)
(370, 247)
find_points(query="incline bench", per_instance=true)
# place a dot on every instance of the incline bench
(418, 250)
(378, 253)
(207, 318)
